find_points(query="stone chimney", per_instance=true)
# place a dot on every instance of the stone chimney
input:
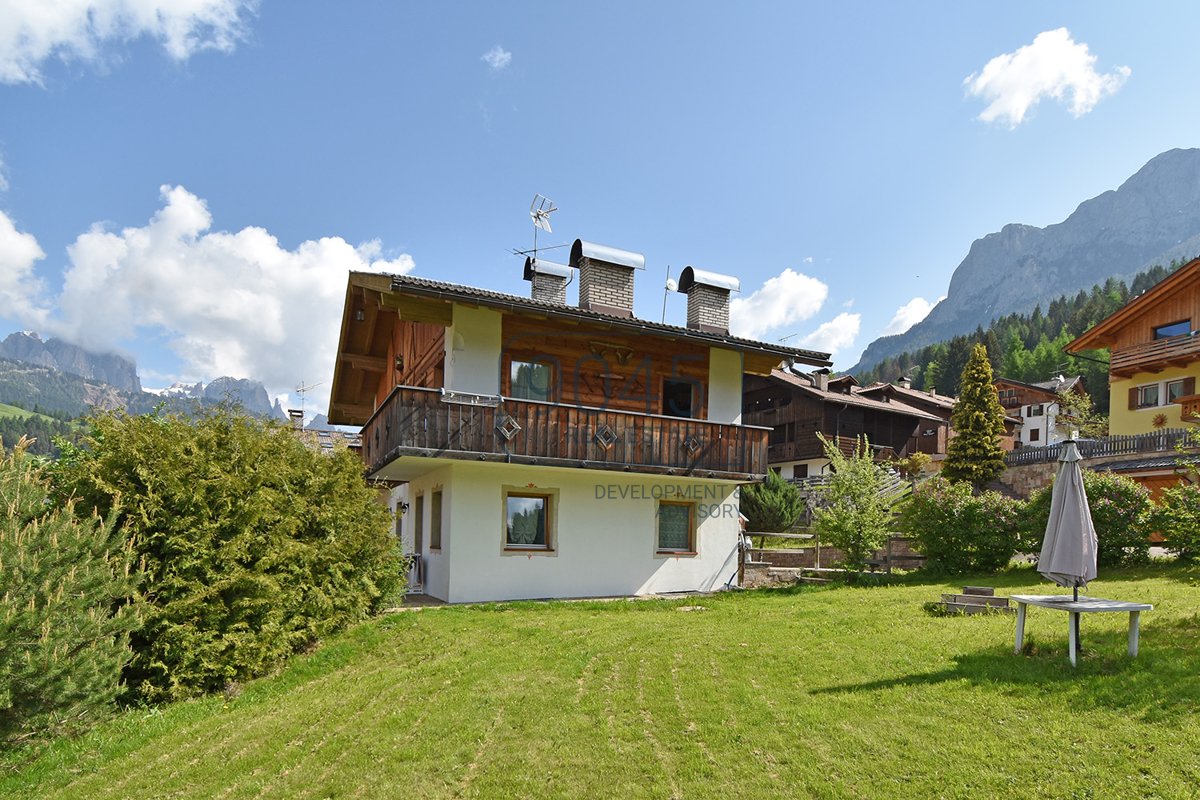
(707, 299)
(605, 277)
(904, 382)
(822, 378)
(296, 418)
(549, 280)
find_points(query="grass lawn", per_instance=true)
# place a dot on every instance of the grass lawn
(815, 692)
(20, 413)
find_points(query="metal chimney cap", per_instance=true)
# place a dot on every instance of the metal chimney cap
(609, 255)
(691, 276)
(543, 267)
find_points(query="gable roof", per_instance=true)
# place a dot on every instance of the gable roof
(424, 287)
(1052, 386)
(852, 398)
(1104, 332)
(911, 395)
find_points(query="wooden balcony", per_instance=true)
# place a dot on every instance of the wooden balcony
(1178, 351)
(427, 423)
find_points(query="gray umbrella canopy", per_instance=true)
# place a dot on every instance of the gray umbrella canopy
(1069, 550)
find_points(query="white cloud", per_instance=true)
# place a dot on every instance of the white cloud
(808, 259)
(835, 335)
(3, 177)
(1054, 66)
(234, 304)
(910, 314)
(34, 31)
(788, 297)
(497, 58)
(21, 293)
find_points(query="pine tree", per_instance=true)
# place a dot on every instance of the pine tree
(974, 454)
(64, 619)
(772, 506)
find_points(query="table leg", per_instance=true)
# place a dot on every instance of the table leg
(1020, 629)
(1135, 618)
(1072, 642)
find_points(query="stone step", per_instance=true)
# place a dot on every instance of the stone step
(974, 608)
(976, 600)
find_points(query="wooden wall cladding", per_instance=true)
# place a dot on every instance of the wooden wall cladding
(597, 367)
(1182, 305)
(421, 350)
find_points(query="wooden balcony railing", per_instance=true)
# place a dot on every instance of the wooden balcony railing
(428, 422)
(1155, 355)
(1160, 441)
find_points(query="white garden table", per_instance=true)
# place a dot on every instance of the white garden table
(1084, 605)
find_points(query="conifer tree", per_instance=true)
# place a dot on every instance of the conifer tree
(772, 506)
(64, 618)
(974, 454)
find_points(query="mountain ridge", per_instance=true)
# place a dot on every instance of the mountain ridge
(1152, 218)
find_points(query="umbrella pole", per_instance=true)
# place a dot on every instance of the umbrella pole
(1075, 618)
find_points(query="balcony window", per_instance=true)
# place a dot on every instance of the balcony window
(1175, 390)
(1147, 396)
(531, 380)
(527, 521)
(1037, 411)
(678, 398)
(676, 527)
(1173, 329)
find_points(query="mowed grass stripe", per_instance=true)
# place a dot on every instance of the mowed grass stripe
(827, 693)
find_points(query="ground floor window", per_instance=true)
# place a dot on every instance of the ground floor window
(528, 521)
(676, 527)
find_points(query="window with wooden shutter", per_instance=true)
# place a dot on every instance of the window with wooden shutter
(1133, 398)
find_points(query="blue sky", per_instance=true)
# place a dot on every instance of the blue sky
(188, 182)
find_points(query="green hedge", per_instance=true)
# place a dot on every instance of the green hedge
(1120, 511)
(959, 531)
(64, 629)
(253, 545)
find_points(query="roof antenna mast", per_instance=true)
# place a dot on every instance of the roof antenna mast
(539, 211)
(668, 287)
(303, 388)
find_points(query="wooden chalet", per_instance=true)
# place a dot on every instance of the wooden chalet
(516, 428)
(798, 406)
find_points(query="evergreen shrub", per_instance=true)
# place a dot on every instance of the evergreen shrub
(253, 545)
(64, 627)
(1177, 518)
(1121, 512)
(958, 531)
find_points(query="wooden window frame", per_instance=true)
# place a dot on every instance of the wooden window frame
(553, 391)
(1157, 395)
(436, 510)
(1158, 337)
(551, 499)
(691, 545)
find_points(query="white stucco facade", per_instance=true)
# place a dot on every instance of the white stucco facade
(603, 539)
(473, 350)
(724, 385)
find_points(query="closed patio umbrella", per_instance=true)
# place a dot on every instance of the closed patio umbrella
(1069, 549)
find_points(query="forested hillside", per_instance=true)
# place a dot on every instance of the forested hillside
(1026, 347)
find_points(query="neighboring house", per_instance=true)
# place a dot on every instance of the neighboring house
(540, 449)
(798, 406)
(930, 438)
(1037, 406)
(1155, 355)
(933, 440)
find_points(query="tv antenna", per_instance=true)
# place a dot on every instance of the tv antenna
(303, 388)
(539, 211)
